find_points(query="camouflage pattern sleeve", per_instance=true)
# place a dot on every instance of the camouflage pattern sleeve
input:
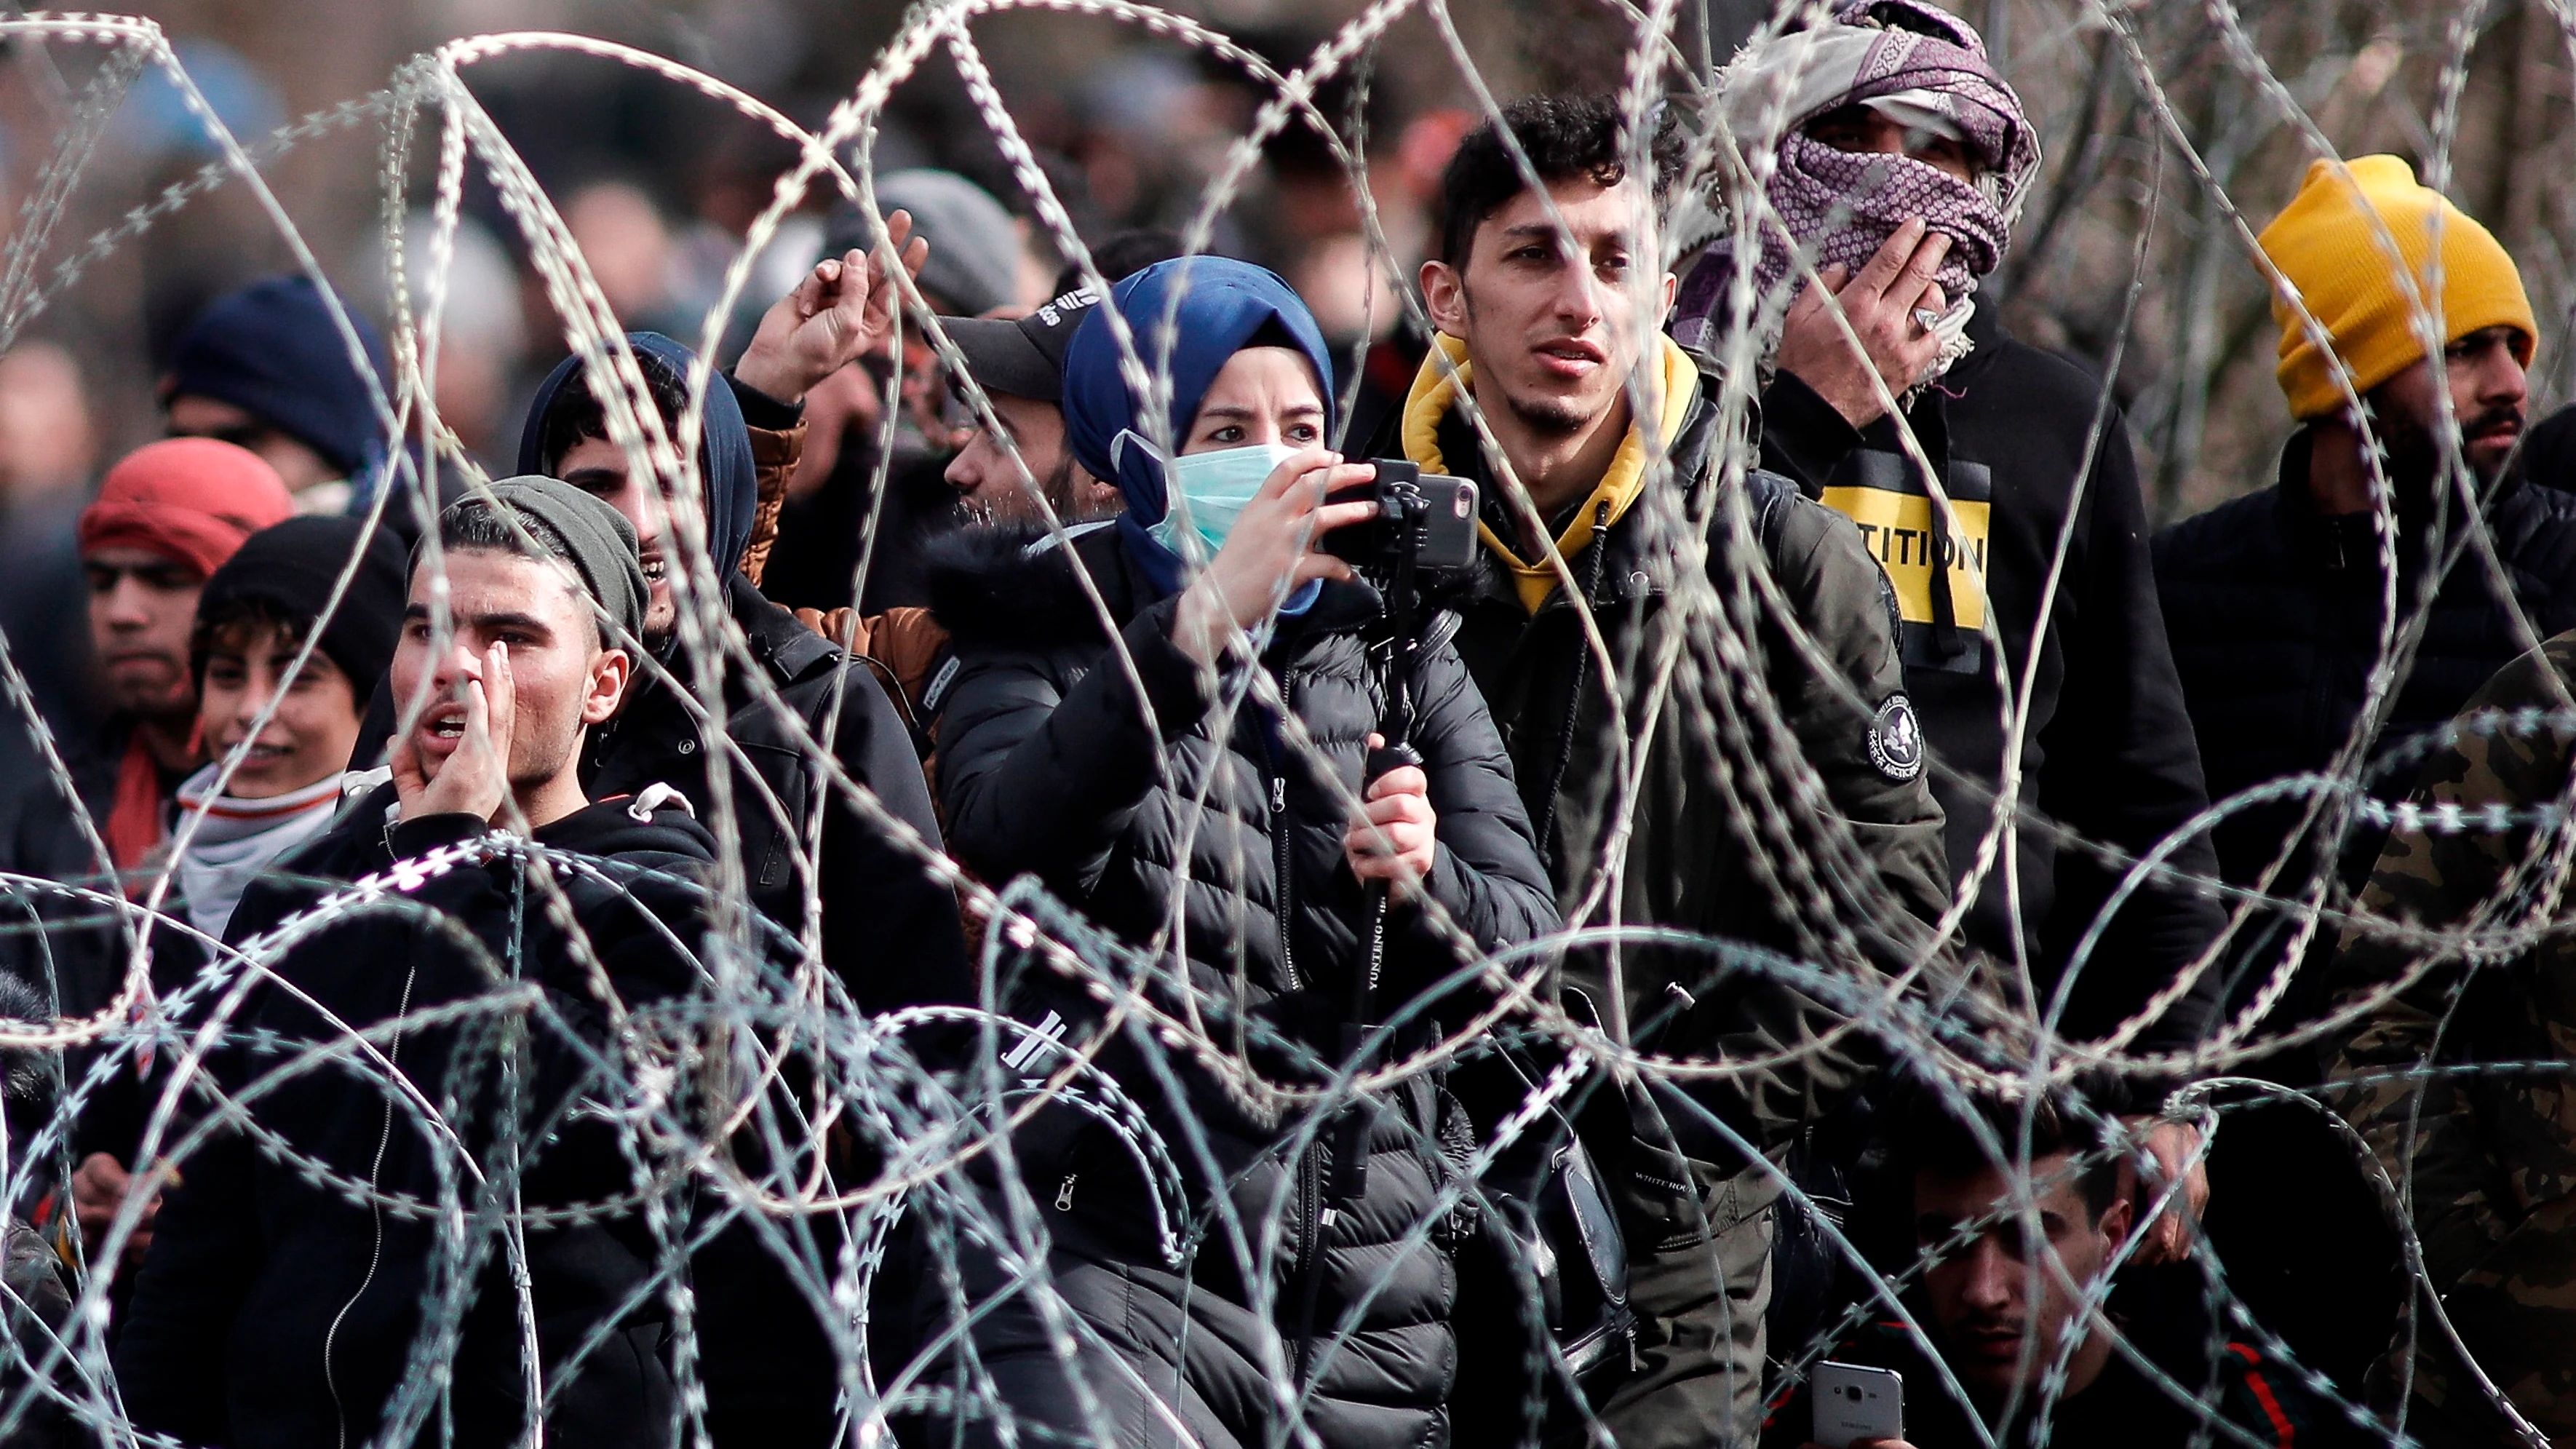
(2482, 1152)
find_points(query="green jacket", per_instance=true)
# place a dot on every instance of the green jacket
(2488, 1159)
(1722, 841)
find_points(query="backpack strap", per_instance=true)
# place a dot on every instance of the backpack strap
(1770, 496)
(800, 653)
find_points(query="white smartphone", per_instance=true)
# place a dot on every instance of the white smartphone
(1854, 1403)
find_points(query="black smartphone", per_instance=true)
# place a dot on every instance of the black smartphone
(1443, 535)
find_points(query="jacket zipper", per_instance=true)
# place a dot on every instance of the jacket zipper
(1285, 896)
(1308, 1276)
(1310, 1255)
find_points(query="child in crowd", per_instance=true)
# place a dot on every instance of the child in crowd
(257, 615)
(236, 817)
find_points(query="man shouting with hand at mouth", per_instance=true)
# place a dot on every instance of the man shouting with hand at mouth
(474, 752)
(274, 1309)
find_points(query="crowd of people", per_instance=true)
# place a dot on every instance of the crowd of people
(1866, 900)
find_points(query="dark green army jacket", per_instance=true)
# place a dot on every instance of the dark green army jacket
(1779, 796)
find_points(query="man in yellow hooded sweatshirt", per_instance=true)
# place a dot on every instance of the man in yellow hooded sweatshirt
(1772, 795)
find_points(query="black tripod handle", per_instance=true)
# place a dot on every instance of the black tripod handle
(1389, 757)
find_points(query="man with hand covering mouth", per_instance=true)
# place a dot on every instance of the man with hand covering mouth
(276, 1309)
(1903, 159)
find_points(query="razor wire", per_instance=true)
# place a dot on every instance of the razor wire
(760, 1098)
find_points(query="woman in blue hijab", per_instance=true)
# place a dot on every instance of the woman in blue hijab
(1141, 767)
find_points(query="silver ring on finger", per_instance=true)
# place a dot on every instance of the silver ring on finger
(1926, 318)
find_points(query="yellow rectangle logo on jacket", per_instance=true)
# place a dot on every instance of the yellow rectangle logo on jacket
(1902, 530)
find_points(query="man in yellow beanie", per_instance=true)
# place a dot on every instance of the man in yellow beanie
(2413, 345)
(2335, 245)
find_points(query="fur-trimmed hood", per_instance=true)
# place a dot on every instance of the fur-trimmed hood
(989, 584)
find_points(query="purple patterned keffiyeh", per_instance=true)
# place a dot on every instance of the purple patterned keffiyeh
(1843, 206)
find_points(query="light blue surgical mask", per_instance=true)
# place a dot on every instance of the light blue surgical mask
(1213, 488)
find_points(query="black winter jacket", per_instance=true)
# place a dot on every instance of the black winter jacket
(889, 931)
(2549, 451)
(1049, 769)
(2274, 611)
(2107, 753)
(274, 1311)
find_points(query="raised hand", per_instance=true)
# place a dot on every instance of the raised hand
(1881, 301)
(841, 312)
(1272, 550)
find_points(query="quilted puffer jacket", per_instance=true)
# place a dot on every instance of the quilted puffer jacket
(1211, 838)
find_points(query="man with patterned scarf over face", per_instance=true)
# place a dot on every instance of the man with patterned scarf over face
(1893, 158)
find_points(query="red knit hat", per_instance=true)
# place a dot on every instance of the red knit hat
(189, 499)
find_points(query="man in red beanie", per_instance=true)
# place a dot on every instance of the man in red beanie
(165, 519)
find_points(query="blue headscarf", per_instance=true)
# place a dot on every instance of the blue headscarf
(725, 465)
(1223, 305)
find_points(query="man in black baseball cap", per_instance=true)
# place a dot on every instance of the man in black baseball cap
(1020, 364)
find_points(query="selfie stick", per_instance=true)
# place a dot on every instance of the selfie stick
(1405, 509)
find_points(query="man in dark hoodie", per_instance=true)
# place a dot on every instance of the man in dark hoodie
(1902, 158)
(1549, 342)
(888, 930)
(277, 1310)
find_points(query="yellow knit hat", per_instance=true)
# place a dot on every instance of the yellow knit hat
(2332, 253)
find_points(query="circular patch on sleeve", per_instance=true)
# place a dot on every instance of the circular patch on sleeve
(1896, 739)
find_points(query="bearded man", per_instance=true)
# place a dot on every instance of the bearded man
(2278, 604)
(2276, 600)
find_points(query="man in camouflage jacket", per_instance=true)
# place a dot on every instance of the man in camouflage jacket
(2460, 955)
